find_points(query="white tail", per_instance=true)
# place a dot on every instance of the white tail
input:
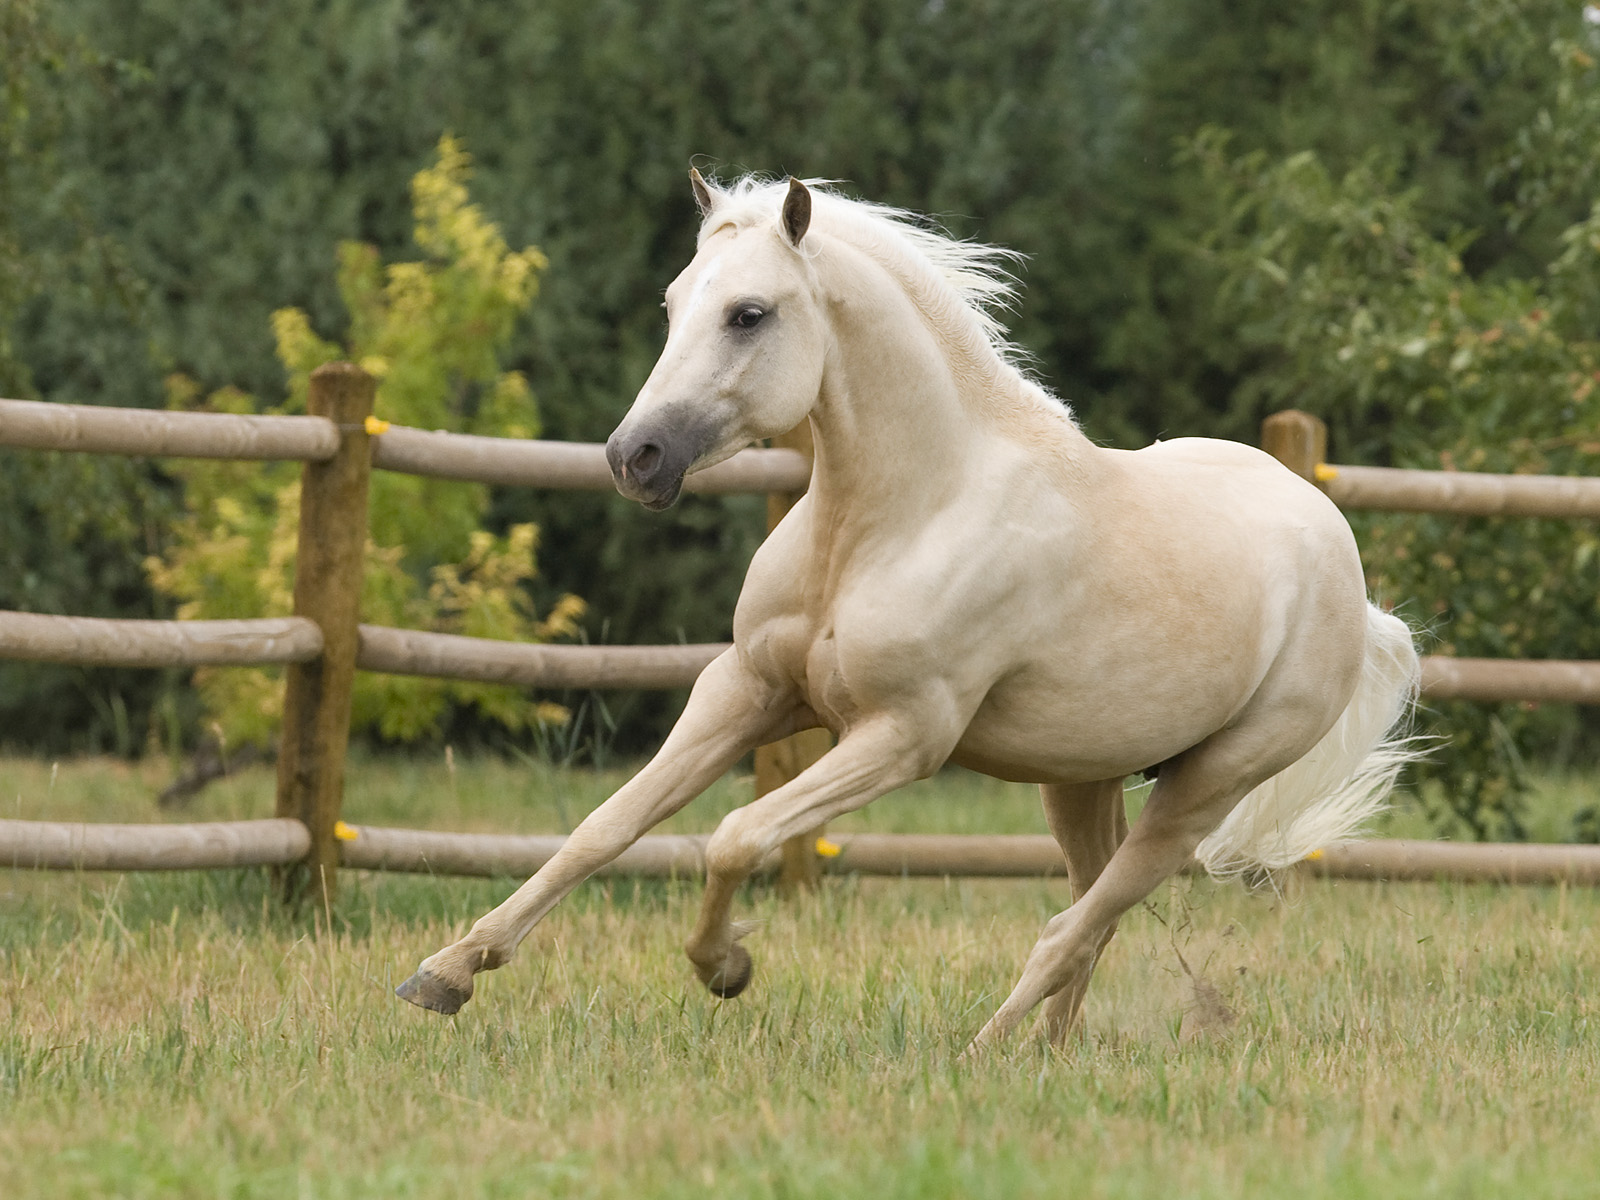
(1342, 781)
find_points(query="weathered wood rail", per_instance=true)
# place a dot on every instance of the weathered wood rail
(91, 429)
(211, 845)
(478, 660)
(1460, 493)
(100, 642)
(568, 466)
(323, 644)
(280, 842)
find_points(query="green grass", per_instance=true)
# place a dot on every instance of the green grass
(183, 1035)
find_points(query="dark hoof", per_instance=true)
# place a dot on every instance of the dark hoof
(735, 974)
(432, 993)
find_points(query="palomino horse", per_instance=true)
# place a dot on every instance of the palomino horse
(971, 580)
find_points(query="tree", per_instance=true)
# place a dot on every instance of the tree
(1344, 302)
(72, 527)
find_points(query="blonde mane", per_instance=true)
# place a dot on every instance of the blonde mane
(961, 284)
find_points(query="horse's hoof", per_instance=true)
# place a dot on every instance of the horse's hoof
(734, 975)
(428, 991)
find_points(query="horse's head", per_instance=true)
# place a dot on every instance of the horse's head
(744, 352)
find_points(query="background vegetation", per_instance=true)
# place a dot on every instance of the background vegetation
(431, 334)
(1378, 211)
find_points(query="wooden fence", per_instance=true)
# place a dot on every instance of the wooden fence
(324, 643)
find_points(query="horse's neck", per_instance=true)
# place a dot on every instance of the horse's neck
(907, 414)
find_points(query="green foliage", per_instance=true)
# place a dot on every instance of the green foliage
(219, 155)
(72, 528)
(1431, 98)
(1344, 303)
(248, 143)
(431, 332)
(29, 52)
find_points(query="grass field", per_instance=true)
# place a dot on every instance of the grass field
(182, 1035)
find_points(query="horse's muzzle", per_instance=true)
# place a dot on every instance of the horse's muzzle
(648, 465)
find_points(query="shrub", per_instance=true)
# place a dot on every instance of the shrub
(431, 332)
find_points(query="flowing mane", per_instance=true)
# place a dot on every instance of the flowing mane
(962, 283)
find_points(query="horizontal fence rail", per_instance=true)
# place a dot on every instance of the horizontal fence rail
(48, 845)
(683, 855)
(569, 466)
(1473, 862)
(95, 641)
(89, 428)
(1502, 679)
(479, 660)
(1460, 493)
(511, 462)
(62, 846)
(102, 642)
(421, 851)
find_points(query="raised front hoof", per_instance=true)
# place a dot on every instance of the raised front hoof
(734, 974)
(428, 991)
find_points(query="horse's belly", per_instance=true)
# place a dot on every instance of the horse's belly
(1077, 731)
(1062, 758)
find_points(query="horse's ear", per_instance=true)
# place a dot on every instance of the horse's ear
(703, 198)
(796, 212)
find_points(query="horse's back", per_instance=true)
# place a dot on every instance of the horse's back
(1205, 457)
(1238, 485)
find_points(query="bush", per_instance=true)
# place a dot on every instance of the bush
(430, 332)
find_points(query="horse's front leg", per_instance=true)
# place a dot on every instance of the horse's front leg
(870, 759)
(729, 712)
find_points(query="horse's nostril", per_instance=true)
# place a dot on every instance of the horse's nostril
(644, 459)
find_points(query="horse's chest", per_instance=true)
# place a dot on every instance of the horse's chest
(803, 654)
(824, 685)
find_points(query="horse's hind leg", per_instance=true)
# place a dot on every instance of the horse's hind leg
(1193, 794)
(1089, 820)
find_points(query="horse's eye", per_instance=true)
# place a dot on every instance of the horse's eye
(747, 317)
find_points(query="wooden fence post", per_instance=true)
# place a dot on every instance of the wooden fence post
(1296, 439)
(327, 590)
(780, 762)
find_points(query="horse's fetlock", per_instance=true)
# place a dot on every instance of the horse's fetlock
(492, 957)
